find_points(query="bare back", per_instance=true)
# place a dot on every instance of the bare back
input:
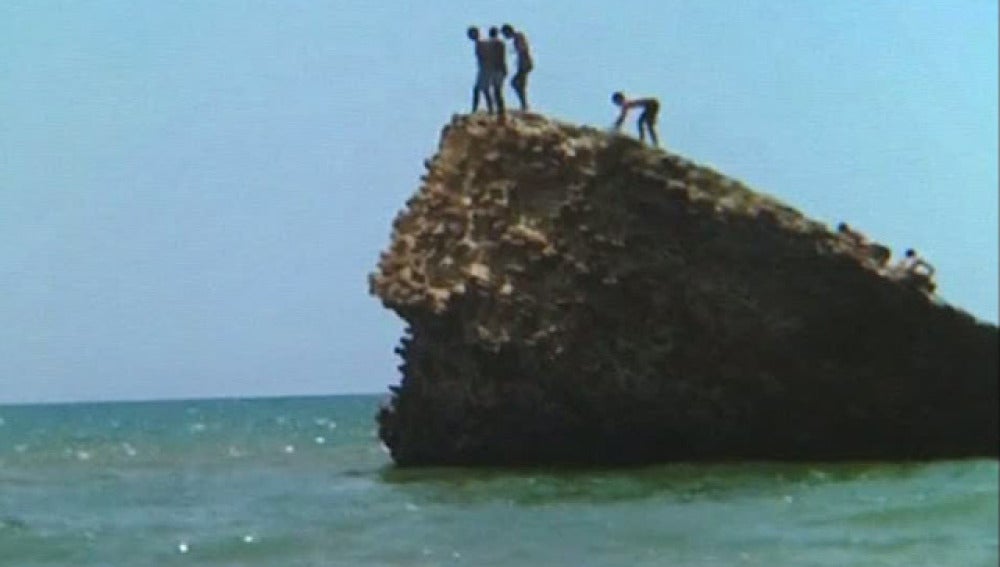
(523, 50)
(496, 55)
(483, 54)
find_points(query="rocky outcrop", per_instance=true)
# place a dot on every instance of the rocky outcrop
(574, 297)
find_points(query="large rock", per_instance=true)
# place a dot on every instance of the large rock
(575, 297)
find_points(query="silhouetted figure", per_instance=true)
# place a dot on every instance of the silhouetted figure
(647, 120)
(851, 234)
(914, 264)
(524, 63)
(874, 254)
(915, 270)
(481, 85)
(497, 64)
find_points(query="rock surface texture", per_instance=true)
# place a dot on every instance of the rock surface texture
(574, 297)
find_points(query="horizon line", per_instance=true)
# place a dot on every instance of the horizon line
(181, 399)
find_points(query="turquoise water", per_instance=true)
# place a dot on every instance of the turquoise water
(295, 482)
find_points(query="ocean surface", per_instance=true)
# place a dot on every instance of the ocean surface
(304, 481)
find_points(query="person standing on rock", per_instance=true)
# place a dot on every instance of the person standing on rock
(524, 63)
(481, 86)
(497, 59)
(647, 120)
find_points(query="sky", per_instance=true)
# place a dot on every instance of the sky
(192, 193)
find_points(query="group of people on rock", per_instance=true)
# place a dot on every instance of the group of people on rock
(911, 268)
(491, 60)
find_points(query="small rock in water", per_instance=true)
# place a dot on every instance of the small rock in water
(182, 547)
(320, 440)
(289, 449)
(249, 538)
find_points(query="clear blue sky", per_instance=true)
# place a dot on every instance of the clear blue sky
(192, 192)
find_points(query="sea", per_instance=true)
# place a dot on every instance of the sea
(291, 482)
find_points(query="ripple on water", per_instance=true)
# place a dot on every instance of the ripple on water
(325, 422)
(129, 450)
(82, 455)
(271, 507)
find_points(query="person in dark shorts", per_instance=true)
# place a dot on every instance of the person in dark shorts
(481, 86)
(524, 63)
(647, 120)
(497, 65)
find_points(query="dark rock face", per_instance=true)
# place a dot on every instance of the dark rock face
(574, 297)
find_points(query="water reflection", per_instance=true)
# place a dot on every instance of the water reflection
(673, 482)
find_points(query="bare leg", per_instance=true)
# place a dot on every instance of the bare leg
(481, 87)
(520, 85)
(489, 101)
(498, 95)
